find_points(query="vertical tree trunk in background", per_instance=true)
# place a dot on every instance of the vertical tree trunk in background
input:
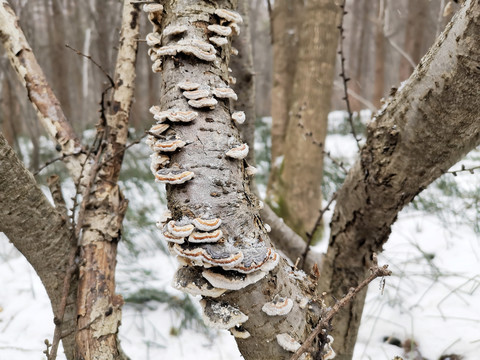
(378, 91)
(414, 33)
(286, 23)
(423, 131)
(296, 194)
(358, 36)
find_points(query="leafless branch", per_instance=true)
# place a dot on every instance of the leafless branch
(376, 272)
(50, 162)
(78, 52)
(462, 169)
(314, 229)
(344, 77)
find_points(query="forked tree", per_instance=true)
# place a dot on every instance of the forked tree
(213, 225)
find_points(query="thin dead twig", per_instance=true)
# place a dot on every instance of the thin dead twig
(463, 169)
(78, 52)
(376, 272)
(344, 77)
(314, 229)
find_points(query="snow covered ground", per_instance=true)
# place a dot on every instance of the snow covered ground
(433, 296)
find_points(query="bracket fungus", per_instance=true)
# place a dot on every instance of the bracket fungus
(173, 176)
(239, 332)
(171, 30)
(158, 161)
(218, 40)
(235, 28)
(166, 236)
(239, 117)
(328, 352)
(220, 30)
(189, 49)
(168, 145)
(157, 66)
(229, 15)
(158, 129)
(221, 315)
(179, 230)
(207, 224)
(239, 152)
(203, 103)
(278, 306)
(196, 94)
(188, 85)
(257, 258)
(210, 254)
(188, 279)
(175, 116)
(205, 237)
(234, 51)
(287, 342)
(152, 8)
(153, 39)
(231, 280)
(251, 170)
(225, 93)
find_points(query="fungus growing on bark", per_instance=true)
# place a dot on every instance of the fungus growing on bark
(205, 237)
(153, 39)
(188, 85)
(231, 280)
(207, 224)
(157, 66)
(218, 40)
(166, 236)
(203, 103)
(211, 254)
(239, 117)
(177, 229)
(229, 15)
(251, 170)
(158, 129)
(168, 145)
(152, 8)
(232, 80)
(158, 162)
(287, 342)
(196, 94)
(257, 258)
(221, 315)
(175, 115)
(173, 176)
(239, 152)
(328, 352)
(220, 30)
(188, 279)
(239, 332)
(225, 93)
(278, 306)
(235, 28)
(234, 51)
(200, 44)
(174, 30)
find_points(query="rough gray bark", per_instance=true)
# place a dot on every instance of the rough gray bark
(38, 231)
(220, 189)
(423, 131)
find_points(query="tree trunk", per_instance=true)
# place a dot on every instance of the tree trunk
(296, 196)
(39, 232)
(423, 131)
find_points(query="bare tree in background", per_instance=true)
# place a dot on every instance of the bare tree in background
(422, 132)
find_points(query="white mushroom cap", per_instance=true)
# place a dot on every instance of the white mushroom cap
(229, 15)
(168, 145)
(232, 280)
(239, 117)
(174, 30)
(189, 280)
(221, 315)
(239, 152)
(278, 307)
(202, 103)
(207, 224)
(220, 30)
(218, 40)
(225, 93)
(234, 51)
(179, 230)
(287, 342)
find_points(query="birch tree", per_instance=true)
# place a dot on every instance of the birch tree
(213, 225)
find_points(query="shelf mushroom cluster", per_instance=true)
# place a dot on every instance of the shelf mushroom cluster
(213, 262)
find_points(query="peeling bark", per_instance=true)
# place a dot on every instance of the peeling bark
(39, 232)
(423, 131)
